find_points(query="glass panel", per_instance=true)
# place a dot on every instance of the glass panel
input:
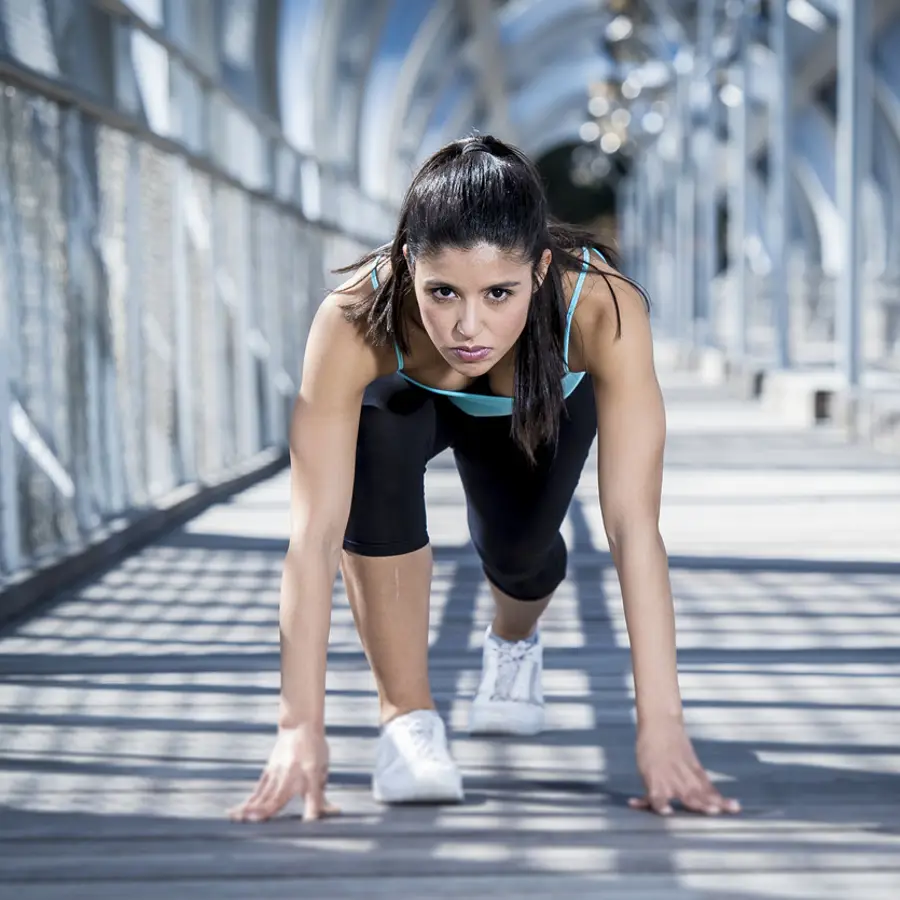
(117, 172)
(151, 11)
(188, 107)
(155, 240)
(191, 26)
(28, 35)
(151, 67)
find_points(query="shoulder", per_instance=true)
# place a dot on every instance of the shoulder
(611, 319)
(360, 283)
(338, 340)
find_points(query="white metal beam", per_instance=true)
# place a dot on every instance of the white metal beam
(853, 164)
(489, 60)
(10, 532)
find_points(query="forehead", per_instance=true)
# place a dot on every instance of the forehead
(483, 261)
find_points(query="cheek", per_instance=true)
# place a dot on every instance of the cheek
(438, 321)
(430, 318)
(511, 324)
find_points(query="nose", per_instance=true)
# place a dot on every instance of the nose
(469, 324)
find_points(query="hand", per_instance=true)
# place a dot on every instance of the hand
(298, 766)
(670, 771)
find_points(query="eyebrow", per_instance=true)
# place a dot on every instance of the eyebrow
(440, 282)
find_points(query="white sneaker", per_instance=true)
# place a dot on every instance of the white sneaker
(510, 698)
(413, 763)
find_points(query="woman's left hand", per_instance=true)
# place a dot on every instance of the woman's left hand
(671, 772)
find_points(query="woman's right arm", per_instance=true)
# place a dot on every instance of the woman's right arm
(338, 364)
(337, 367)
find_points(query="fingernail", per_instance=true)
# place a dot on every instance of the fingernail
(712, 810)
(667, 811)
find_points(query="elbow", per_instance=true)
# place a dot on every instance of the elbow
(638, 530)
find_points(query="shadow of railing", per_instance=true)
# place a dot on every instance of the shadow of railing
(149, 729)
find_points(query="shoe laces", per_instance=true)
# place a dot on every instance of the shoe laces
(510, 656)
(422, 732)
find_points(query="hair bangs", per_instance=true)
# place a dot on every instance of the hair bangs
(476, 199)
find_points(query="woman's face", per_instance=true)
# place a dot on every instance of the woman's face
(474, 303)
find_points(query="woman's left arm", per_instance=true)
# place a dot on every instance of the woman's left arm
(631, 438)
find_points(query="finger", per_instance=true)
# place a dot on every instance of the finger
(315, 799)
(313, 808)
(714, 803)
(660, 806)
(239, 812)
(329, 809)
(698, 801)
(715, 796)
(725, 804)
(280, 791)
(709, 798)
(266, 803)
(696, 794)
(280, 798)
(659, 803)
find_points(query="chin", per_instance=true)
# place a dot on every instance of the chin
(472, 369)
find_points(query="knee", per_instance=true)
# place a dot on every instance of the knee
(523, 571)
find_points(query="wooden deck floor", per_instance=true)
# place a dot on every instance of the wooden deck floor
(142, 706)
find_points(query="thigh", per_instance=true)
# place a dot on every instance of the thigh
(398, 435)
(516, 509)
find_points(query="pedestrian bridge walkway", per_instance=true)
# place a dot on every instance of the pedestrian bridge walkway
(141, 706)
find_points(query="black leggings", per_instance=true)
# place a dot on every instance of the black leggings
(515, 510)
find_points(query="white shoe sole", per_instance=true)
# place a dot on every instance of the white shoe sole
(506, 717)
(424, 790)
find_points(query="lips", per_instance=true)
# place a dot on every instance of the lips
(471, 354)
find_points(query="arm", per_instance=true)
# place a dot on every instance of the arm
(337, 367)
(631, 438)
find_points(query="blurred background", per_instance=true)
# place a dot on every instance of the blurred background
(178, 178)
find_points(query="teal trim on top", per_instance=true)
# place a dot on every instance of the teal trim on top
(489, 404)
(574, 302)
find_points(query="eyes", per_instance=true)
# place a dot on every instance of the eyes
(445, 294)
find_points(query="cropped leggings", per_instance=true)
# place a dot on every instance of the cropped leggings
(515, 510)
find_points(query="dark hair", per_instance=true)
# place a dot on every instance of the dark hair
(481, 190)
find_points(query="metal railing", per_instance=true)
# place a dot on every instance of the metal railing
(152, 320)
(748, 286)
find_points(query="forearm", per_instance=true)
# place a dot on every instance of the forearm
(642, 565)
(307, 583)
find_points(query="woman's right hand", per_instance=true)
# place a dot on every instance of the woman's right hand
(297, 767)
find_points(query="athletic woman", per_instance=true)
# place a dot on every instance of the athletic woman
(488, 329)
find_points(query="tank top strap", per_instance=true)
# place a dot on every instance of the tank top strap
(586, 254)
(576, 294)
(374, 277)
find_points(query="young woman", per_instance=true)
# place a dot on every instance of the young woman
(486, 328)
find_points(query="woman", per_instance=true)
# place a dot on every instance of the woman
(486, 328)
